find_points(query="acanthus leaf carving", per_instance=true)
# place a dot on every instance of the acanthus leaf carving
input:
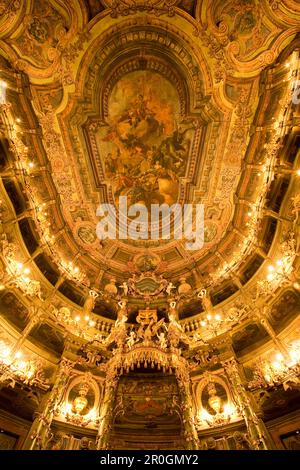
(129, 7)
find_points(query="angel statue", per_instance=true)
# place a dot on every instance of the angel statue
(205, 299)
(118, 332)
(175, 331)
(122, 304)
(124, 286)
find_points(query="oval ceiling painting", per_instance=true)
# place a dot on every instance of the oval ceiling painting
(145, 143)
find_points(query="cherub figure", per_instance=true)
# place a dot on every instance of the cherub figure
(169, 288)
(131, 339)
(124, 286)
(162, 340)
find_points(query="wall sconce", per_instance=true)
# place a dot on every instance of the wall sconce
(278, 370)
(13, 368)
(80, 402)
(77, 412)
(223, 411)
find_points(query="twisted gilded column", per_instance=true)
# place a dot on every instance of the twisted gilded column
(181, 367)
(117, 336)
(258, 433)
(188, 418)
(39, 432)
(107, 407)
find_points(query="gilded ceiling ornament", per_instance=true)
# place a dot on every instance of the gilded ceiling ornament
(7, 7)
(49, 42)
(127, 7)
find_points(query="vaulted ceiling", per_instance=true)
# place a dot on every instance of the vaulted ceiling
(162, 101)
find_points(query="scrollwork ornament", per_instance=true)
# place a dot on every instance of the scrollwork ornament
(130, 7)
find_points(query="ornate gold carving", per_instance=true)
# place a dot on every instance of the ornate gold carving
(129, 7)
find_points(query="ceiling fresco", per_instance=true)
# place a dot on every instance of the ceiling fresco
(159, 101)
(145, 145)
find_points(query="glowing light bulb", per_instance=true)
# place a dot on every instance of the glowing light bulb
(271, 268)
(77, 318)
(203, 323)
(5, 352)
(218, 316)
(298, 172)
(92, 323)
(22, 365)
(279, 357)
(68, 408)
(267, 377)
(86, 318)
(294, 356)
(229, 409)
(26, 270)
(208, 316)
(18, 355)
(92, 414)
(270, 277)
(18, 120)
(29, 374)
(276, 365)
(205, 414)
(279, 262)
(20, 265)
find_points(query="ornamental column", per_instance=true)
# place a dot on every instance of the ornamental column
(258, 433)
(107, 406)
(118, 336)
(188, 418)
(39, 431)
(181, 367)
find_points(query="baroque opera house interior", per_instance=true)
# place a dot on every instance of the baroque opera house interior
(149, 225)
